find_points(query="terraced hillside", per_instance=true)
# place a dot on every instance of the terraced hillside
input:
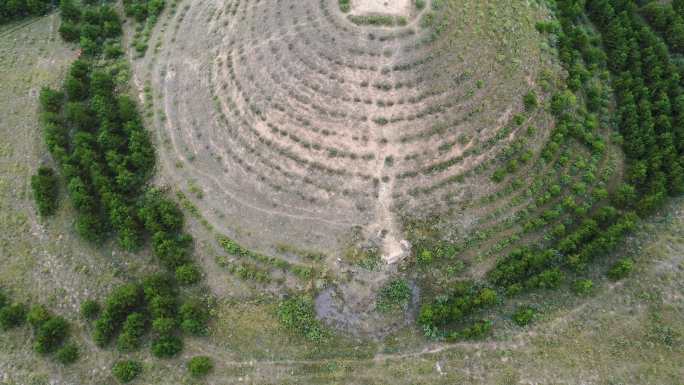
(298, 124)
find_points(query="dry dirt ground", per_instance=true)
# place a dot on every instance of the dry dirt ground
(631, 332)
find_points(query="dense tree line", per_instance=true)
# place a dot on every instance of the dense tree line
(97, 137)
(650, 118)
(668, 21)
(18, 9)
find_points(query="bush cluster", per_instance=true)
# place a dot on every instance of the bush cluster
(132, 310)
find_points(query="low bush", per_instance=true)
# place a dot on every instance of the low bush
(395, 295)
(297, 314)
(167, 346)
(583, 286)
(126, 371)
(621, 269)
(90, 309)
(37, 316)
(194, 316)
(67, 354)
(523, 316)
(200, 366)
(44, 185)
(51, 334)
(188, 274)
(12, 316)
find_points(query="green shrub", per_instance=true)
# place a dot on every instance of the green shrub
(126, 371)
(297, 314)
(132, 332)
(12, 316)
(425, 257)
(44, 185)
(620, 269)
(420, 4)
(51, 334)
(530, 101)
(90, 309)
(583, 286)
(67, 354)
(164, 325)
(200, 366)
(395, 295)
(37, 316)
(194, 317)
(4, 300)
(188, 274)
(523, 316)
(167, 346)
(345, 5)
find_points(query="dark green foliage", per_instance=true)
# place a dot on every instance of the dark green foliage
(621, 269)
(125, 300)
(126, 371)
(44, 185)
(194, 316)
(18, 9)
(200, 366)
(67, 354)
(90, 309)
(297, 314)
(395, 295)
(51, 100)
(142, 9)
(167, 346)
(12, 316)
(345, 5)
(523, 316)
(51, 334)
